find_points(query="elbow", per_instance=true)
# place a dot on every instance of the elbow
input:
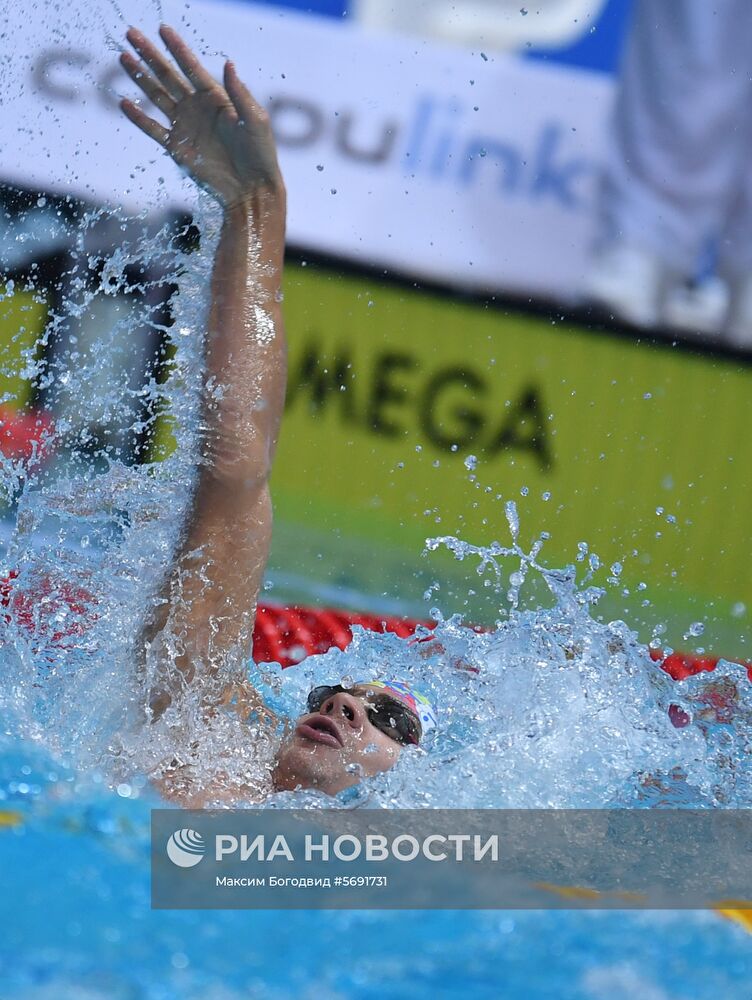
(244, 464)
(245, 476)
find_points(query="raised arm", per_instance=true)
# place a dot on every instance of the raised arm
(222, 137)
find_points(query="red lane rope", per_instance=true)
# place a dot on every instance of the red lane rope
(283, 634)
(25, 435)
(287, 634)
(682, 665)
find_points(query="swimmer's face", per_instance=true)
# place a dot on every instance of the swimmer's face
(335, 747)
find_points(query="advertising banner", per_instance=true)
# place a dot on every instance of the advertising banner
(473, 168)
(636, 450)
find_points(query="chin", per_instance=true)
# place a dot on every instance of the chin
(319, 767)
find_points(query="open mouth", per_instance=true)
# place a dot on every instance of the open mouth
(320, 729)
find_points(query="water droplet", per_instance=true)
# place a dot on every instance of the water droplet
(513, 518)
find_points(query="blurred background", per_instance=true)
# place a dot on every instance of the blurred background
(519, 268)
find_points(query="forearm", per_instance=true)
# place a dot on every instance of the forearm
(223, 138)
(209, 602)
(245, 350)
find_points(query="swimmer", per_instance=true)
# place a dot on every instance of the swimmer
(199, 638)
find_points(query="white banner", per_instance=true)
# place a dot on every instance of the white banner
(470, 168)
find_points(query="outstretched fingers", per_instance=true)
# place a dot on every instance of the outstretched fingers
(186, 60)
(156, 93)
(161, 67)
(241, 97)
(153, 129)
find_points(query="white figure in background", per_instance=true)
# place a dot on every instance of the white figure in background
(679, 171)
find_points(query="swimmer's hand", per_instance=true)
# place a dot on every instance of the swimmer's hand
(219, 134)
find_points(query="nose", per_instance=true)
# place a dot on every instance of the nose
(345, 706)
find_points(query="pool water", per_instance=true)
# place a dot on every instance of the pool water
(557, 709)
(560, 700)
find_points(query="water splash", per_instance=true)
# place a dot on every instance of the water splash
(92, 533)
(551, 708)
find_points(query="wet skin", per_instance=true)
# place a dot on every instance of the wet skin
(220, 135)
(336, 747)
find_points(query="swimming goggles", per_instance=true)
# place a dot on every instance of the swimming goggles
(387, 714)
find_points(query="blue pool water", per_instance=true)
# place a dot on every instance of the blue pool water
(77, 924)
(563, 711)
(75, 850)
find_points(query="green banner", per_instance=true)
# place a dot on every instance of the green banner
(638, 449)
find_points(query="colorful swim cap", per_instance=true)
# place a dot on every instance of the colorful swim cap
(417, 703)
